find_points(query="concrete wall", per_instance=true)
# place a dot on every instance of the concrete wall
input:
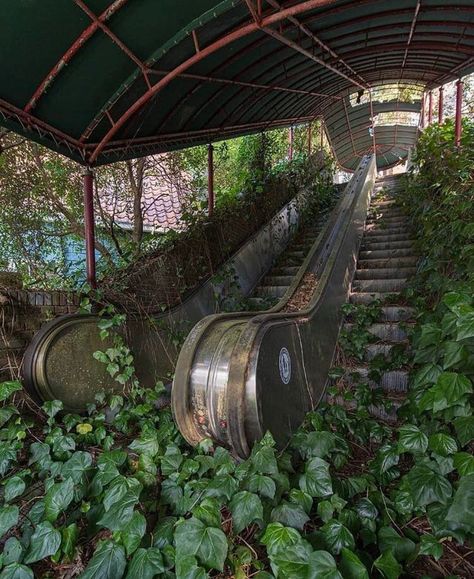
(22, 312)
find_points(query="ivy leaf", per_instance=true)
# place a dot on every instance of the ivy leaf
(209, 512)
(321, 565)
(77, 466)
(366, 509)
(188, 567)
(58, 498)
(264, 461)
(208, 544)
(108, 562)
(317, 444)
(448, 391)
(443, 444)
(454, 352)
(246, 508)
(12, 551)
(8, 518)
(222, 486)
(70, 535)
(277, 537)
(14, 487)
(261, 484)
(292, 562)
(464, 463)
(16, 571)
(146, 564)
(7, 457)
(388, 566)
(120, 514)
(45, 541)
(431, 547)
(351, 566)
(316, 481)
(465, 326)
(411, 439)
(337, 536)
(325, 510)
(464, 427)
(401, 547)
(133, 532)
(171, 461)
(290, 515)
(461, 512)
(301, 498)
(39, 453)
(8, 388)
(428, 486)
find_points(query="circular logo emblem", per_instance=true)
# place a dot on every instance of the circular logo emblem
(284, 363)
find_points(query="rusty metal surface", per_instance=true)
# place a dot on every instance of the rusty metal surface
(239, 375)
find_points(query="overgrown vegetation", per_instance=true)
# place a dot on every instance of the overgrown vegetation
(137, 202)
(117, 493)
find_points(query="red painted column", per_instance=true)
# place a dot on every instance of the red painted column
(310, 138)
(430, 107)
(441, 105)
(458, 124)
(89, 226)
(291, 136)
(422, 118)
(210, 179)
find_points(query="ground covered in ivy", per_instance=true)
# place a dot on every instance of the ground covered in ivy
(117, 493)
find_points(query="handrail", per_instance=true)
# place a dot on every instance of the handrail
(239, 375)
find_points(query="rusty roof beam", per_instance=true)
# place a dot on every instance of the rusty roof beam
(71, 52)
(412, 32)
(295, 46)
(317, 40)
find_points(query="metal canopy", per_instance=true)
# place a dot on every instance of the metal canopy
(105, 80)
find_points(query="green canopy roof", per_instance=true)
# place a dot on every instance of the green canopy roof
(105, 80)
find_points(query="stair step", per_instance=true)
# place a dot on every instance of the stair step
(368, 245)
(379, 285)
(373, 350)
(270, 291)
(397, 313)
(366, 298)
(389, 263)
(385, 273)
(386, 253)
(387, 235)
(391, 381)
(387, 332)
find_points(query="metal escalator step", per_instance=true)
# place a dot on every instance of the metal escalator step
(368, 245)
(397, 313)
(277, 280)
(389, 263)
(290, 270)
(379, 285)
(385, 273)
(376, 229)
(384, 224)
(270, 291)
(386, 253)
(388, 415)
(257, 303)
(295, 254)
(373, 350)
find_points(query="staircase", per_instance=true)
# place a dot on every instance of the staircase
(387, 259)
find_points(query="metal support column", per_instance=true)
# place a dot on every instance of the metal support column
(430, 107)
(440, 105)
(89, 226)
(422, 117)
(310, 136)
(458, 131)
(291, 136)
(210, 178)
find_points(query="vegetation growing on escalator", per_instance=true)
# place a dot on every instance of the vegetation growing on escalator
(117, 493)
